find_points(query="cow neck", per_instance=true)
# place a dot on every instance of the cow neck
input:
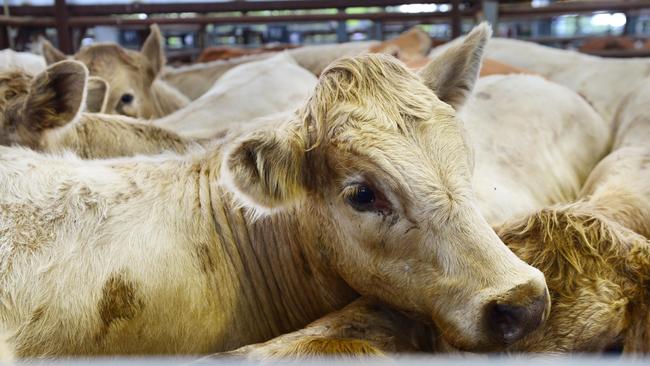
(284, 280)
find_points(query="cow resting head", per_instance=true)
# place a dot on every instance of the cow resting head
(379, 168)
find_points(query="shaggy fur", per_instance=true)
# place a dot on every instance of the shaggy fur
(594, 271)
(129, 72)
(363, 328)
(101, 136)
(160, 255)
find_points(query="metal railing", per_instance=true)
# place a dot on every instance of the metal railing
(66, 17)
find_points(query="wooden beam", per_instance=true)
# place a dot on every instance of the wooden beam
(4, 37)
(62, 27)
(341, 28)
(455, 19)
(18, 22)
(491, 13)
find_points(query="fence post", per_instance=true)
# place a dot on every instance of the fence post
(455, 19)
(4, 37)
(378, 30)
(62, 27)
(491, 13)
(341, 28)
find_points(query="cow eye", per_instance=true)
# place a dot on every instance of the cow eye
(361, 197)
(126, 98)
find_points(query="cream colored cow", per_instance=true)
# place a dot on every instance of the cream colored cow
(135, 87)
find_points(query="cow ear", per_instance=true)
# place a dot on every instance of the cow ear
(265, 169)
(56, 96)
(154, 49)
(97, 95)
(452, 74)
(50, 53)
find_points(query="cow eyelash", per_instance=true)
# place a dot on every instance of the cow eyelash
(364, 198)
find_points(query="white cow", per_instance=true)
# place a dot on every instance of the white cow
(32, 63)
(529, 155)
(248, 91)
(194, 80)
(604, 82)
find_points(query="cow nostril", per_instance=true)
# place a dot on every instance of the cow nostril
(509, 323)
(505, 321)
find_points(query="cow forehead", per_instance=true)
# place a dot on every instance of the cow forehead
(100, 55)
(411, 163)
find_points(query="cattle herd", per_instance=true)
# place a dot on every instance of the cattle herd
(371, 198)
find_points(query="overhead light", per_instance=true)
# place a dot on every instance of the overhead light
(417, 8)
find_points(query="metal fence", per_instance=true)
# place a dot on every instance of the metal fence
(70, 19)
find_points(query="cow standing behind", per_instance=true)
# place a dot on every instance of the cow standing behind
(135, 88)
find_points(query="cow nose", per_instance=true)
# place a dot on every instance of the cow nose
(509, 323)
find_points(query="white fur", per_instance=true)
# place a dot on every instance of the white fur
(31, 63)
(534, 142)
(602, 81)
(252, 90)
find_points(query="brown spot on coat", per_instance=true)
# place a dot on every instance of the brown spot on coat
(119, 302)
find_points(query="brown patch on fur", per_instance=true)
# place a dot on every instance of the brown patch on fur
(119, 303)
(411, 45)
(227, 52)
